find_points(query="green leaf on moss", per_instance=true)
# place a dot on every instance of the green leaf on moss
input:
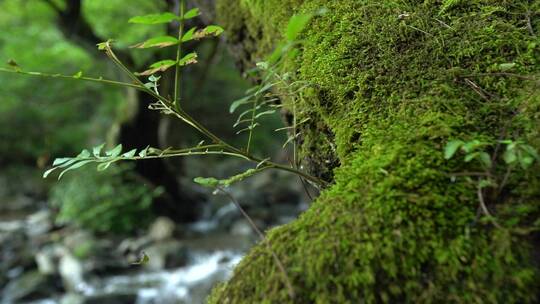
(296, 24)
(451, 148)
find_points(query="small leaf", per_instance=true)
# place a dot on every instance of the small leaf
(144, 152)
(102, 46)
(115, 152)
(46, 173)
(531, 151)
(75, 166)
(263, 65)
(525, 160)
(154, 78)
(451, 148)
(160, 42)
(506, 66)
(78, 75)
(188, 59)
(188, 35)
(296, 24)
(485, 159)
(471, 156)
(104, 166)
(211, 30)
(207, 181)
(159, 66)
(154, 18)
(60, 161)
(238, 103)
(472, 145)
(84, 154)
(509, 156)
(13, 64)
(150, 85)
(97, 150)
(130, 154)
(265, 113)
(192, 13)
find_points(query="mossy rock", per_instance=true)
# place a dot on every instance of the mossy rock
(395, 82)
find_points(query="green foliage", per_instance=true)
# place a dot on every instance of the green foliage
(48, 117)
(114, 201)
(162, 104)
(514, 152)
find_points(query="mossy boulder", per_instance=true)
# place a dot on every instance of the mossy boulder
(394, 82)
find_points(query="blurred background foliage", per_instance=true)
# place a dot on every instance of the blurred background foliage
(41, 119)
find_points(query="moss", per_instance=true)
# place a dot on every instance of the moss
(395, 81)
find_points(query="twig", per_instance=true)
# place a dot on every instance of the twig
(529, 24)
(469, 174)
(263, 238)
(485, 209)
(178, 72)
(100, 80)
(502, 74)
(505, 178)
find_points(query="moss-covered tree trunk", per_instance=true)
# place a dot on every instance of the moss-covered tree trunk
(394, 82)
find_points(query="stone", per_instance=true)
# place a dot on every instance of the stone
(47, 260)
(39, 223)
(161, 229)
(71, 270)
(166, 255)
(241, 227)
(30, 285)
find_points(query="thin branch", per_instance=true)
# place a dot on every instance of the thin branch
(529, 24)
(265, 241)
(485, 209)
(178, 72)
(100, 80)
(506, 74)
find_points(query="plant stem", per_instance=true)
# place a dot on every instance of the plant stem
(282, 269)
(178, 72)
(252, 125)
(100, 80)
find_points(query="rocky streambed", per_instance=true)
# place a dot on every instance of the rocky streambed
(166, 263)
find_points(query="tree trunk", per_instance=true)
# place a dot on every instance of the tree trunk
(392, 83)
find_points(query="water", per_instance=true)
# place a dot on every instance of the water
(180, 285)
(189, 284)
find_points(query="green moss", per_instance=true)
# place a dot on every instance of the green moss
(395, 81)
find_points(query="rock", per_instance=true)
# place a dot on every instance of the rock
(31, 285)
(16, 203)
(166, 255)
(78, 239)
(47, 260)
(15, 252)
(39, 223)
(114, 298)
(11, 226)
(161, 229)
(71, 270)
(241, 227)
